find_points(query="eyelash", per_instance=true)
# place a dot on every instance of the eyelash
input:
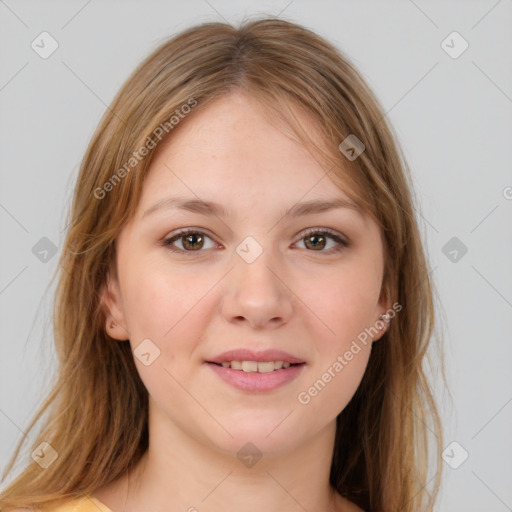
(342, 243)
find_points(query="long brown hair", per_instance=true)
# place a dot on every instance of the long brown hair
(95, 416)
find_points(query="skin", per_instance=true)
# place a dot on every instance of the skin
(309, 302)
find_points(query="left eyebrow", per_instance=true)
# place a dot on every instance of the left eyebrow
(211, 208)
(319, 206)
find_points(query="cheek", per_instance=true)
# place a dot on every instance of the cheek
(346, 308)
(168, 307)
(333, 388)
(344, 304)
(156, 297)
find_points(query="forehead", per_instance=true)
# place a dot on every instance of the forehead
(234, 149)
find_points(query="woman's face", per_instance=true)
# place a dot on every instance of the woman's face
(262, 281)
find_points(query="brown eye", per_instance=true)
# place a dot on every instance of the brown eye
(193, 241)
(190, 240)
(315, 242)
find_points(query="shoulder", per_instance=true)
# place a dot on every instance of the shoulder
(85, 504)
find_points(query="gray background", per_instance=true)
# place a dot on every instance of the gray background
(452, 116)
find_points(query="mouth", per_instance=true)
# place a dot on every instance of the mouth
(245, 359)
(257, 366)
(256, 371)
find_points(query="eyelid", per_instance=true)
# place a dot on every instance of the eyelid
(341, 239)
(170, 239)
(328, 231)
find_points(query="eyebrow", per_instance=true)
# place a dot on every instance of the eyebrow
(211, 208)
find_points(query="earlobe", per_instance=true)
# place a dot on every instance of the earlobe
(381, 326)
(384, 319)
(111, 303)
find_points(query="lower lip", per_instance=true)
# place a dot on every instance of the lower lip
(255, 381)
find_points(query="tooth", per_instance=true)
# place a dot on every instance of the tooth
(266, 367)
(249, 366)
(255, 366)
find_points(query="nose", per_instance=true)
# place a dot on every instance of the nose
(257, 294)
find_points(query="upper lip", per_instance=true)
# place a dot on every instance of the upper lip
(243, 354)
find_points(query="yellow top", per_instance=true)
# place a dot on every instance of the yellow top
(87, 504)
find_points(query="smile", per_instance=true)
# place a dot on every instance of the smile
(255, 376)
(256, 366)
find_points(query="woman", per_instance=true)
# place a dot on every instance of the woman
(244, 305)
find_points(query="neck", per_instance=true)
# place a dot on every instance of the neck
(180, 473)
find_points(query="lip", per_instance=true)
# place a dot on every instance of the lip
(256, 382)
(260, 356)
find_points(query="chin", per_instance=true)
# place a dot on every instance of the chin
(270, 433)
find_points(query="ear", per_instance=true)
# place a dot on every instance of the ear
(384, 314)
(111, 301)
